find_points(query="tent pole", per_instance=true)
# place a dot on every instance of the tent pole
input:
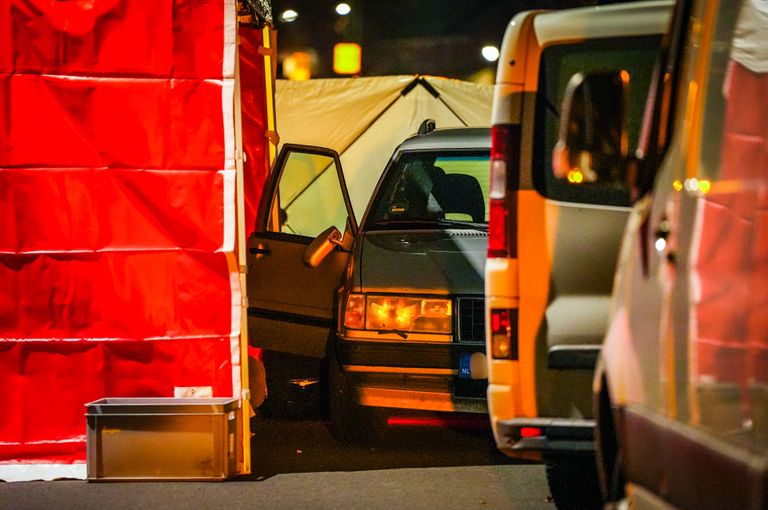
(244, 396)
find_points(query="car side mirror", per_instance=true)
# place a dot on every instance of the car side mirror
(321, 246)
(592, 142)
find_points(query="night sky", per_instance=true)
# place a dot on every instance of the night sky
(442, 37)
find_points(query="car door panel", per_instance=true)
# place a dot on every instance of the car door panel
(293, 312)
(291, 305)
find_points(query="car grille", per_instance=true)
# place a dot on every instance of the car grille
(471, 319)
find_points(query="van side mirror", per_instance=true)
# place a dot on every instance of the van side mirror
(592, 142)
(321, 246)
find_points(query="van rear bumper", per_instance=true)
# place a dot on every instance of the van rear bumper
(536, 438)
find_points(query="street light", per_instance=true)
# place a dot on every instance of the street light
(490, 53)
(289, 15)
(343, 9)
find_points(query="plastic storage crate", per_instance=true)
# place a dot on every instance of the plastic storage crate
(162, 438)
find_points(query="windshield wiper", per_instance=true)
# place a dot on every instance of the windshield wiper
(399, 332)
(435, 222)
(415, 221)
(462, 224)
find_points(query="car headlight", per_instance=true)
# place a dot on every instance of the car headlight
(398, 313)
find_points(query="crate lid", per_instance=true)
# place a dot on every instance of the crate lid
(161, 405)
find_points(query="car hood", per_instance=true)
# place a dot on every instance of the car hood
(432, 261)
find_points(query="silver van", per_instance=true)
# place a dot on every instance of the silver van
(681, 389)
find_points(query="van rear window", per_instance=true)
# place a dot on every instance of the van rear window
(637, 56)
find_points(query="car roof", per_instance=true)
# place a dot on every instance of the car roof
(449, 138)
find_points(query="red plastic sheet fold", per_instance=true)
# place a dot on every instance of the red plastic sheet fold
(254, 123)
(47, 382)
(116, 211)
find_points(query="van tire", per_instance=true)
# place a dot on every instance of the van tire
(349, 421)
(573, 483)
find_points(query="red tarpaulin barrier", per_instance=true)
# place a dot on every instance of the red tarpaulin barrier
(117, 213)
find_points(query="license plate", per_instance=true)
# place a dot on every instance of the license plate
(470, 370)
(465, 371)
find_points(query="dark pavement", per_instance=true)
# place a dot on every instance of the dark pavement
(425, 440)
(297, 464)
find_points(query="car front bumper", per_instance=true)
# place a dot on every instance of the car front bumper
(414, 375)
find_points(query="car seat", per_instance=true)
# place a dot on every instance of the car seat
(460, 193)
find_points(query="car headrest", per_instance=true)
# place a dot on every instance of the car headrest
(460, 193)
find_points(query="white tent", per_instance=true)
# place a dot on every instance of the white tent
(364, 119)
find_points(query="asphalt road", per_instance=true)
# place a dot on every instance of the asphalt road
(412, 440)
(298, 465)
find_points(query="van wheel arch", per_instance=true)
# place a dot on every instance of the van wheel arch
(610, 470)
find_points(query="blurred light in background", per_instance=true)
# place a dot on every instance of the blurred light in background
(347, 58)
(296, 66)
(289, 15)
(490, 53)
(343, 9)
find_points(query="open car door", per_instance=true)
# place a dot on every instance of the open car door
(296, 259)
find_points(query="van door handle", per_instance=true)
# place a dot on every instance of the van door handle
(661, 241)
(662, 231)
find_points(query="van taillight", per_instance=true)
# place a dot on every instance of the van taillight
(504, 333)
(497, 229)
(504, 179)
(530, 432)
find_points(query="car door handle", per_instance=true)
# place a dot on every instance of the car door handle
(261, 249)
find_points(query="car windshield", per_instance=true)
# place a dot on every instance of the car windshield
(433, 190)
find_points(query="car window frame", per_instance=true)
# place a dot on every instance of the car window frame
(661, 104)
(270, 194)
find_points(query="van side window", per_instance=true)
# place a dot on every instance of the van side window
(734, 120)
(636, 56)
(729, 255)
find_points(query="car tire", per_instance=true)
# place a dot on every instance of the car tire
(275, 405)
(573, 483)
(349, 421)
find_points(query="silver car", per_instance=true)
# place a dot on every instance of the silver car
(387, 312)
